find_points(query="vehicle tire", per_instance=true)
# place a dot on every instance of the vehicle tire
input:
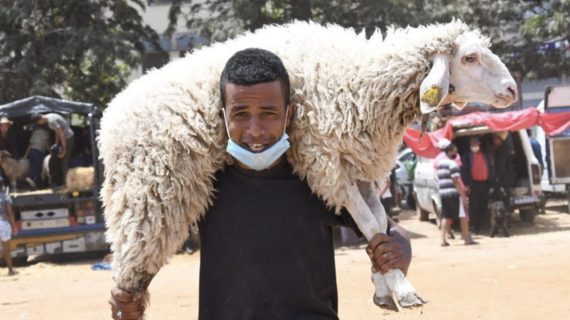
(424, 215)
(527, 215)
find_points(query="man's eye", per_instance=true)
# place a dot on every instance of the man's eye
(240, 115)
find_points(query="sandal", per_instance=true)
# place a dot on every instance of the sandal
(445, 244)
(471, 242)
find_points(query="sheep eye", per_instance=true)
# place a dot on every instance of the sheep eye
(470, 58)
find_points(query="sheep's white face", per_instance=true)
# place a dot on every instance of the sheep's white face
(479, 75)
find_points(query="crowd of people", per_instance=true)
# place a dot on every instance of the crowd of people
(466, 181)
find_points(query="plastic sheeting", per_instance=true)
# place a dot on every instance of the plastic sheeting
(426, 145)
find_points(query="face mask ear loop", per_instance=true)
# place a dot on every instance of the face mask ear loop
(226, 122)
(285, 124)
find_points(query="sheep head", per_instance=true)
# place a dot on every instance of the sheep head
(471, 73)
(4, 154)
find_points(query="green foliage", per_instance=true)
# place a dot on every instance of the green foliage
(222, 19)
(78, 49)
(517, 27)
(549, 21)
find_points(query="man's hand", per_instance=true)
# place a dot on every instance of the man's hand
(386, 254)
(124, 306)
(61, 155)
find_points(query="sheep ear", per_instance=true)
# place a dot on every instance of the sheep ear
(435, 86)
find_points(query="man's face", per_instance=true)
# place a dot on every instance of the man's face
(497, 141)
(452, 154)
(474, 142)
(41, 121)
(4, 128)
(256, 114)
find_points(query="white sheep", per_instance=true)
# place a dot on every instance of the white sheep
(162, 139)
(80, 179)
(14, 169)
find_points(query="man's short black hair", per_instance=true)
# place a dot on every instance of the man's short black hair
(252, 66)
(35, 116)
(450, 147)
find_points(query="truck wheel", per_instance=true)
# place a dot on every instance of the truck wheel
(424, 215)
(527, 215)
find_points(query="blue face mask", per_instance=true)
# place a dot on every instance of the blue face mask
(260, 160)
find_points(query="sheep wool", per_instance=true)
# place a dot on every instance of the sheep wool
(162, 139)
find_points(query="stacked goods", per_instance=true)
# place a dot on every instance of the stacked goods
(85, 212)
(80, 179)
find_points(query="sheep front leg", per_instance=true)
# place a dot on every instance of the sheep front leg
(369, 226)
(395, 279)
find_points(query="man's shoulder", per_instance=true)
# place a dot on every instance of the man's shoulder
(446, 163)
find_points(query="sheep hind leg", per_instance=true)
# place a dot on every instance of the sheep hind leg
(403, 290)
(369, 226)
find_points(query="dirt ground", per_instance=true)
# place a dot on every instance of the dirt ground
(526, 276)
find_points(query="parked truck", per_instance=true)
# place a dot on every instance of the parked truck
(57, 220)
(557, 99)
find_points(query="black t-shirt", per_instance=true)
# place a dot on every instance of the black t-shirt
(267, 249)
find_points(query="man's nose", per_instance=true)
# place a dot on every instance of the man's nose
(255, 128)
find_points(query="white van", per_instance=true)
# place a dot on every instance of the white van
(526, 193)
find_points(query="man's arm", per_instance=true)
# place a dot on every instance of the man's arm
(125, 302)
(60, 137)
(393, 251)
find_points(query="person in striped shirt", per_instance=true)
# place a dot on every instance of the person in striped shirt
(450, 190)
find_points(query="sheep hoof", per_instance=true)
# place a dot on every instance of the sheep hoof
(411, 300)
(385, 302)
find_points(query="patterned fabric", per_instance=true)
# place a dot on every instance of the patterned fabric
(4, 198)
(447, 170)
(5, 231)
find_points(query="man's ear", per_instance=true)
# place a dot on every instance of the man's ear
(435, 86)
(290, 111)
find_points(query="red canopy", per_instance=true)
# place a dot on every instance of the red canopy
(426, 146)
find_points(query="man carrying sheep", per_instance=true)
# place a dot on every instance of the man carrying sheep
(63, 136)
(267, 247)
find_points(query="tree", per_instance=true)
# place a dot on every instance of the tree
(518, 29)
(522, 32)
(547, 26)
(222, 19)
(76, 49)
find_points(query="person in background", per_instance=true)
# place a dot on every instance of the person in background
(463, 215)
(477, 173)
(7, 227)
(6, 138)
(388, 195)
(6, 141)
(63, 136)
(536, 149)
(449, 191)
(37, 150)
(503, 156)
